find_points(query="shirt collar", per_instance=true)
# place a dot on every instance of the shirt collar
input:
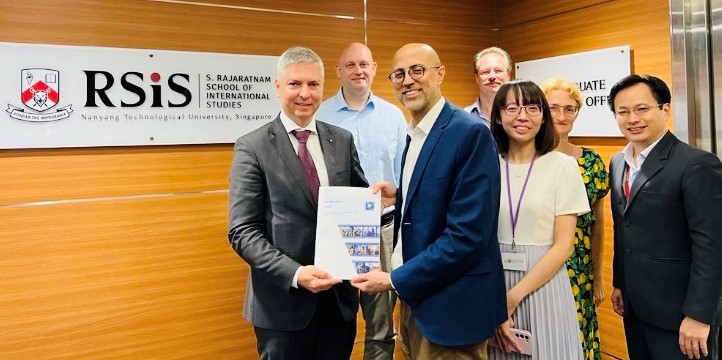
(427, 122)
(339, 103)
(476, 107)
(629, 152)
(289, 125)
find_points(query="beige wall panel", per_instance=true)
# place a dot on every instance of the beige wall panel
(599, 27)
(141, 279)
(522, 11)
(456, 47)
(353, 8)
(169, 26)
(472, 13)
(62, 174)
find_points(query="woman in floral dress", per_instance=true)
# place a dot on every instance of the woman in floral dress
(585, 264)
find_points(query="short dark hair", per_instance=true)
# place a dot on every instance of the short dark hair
(659, 89)
(525, 92)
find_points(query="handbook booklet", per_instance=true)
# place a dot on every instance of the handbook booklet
(348, 231)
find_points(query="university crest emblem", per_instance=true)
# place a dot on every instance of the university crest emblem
(39, 92)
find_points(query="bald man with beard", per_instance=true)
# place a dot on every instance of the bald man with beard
(446, 264)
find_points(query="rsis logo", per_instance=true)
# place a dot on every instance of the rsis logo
(135, 86)
(39, 92)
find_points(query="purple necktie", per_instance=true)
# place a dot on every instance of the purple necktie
(306, 161)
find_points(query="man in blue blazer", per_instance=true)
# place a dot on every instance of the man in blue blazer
(446, 260)
(666, 206)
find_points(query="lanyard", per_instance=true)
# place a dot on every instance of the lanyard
(514, 215)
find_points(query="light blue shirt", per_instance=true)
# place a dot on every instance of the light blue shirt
(475, 109)
(379, 133)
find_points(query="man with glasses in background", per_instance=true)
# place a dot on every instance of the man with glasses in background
(492, 68)
(666, 206)
(379, 133)
(446, 262)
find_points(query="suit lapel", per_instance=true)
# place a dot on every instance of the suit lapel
(399, 193)
(432, 140)
(280, 141)
(654, 162)
(328, 147)
(619, 167)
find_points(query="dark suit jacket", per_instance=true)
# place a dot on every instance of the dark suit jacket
(668, 237)
(272, 222)
(452, 277)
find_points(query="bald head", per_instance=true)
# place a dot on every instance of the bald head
(356, 70)
(353, 49)
(417, 51)
(421, 90)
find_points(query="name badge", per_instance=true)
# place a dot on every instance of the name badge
(514, 261)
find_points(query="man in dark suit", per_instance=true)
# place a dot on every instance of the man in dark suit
(666, 206)
(298, 310)
(446, 261)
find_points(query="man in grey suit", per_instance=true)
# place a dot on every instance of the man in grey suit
(297, 309)
(666, 206)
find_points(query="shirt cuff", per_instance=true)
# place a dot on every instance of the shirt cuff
(391, 282)
(294, 282)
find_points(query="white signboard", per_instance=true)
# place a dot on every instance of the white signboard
(72, 96)
(595, 72)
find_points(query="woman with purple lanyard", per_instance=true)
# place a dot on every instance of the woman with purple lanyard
(542, 194)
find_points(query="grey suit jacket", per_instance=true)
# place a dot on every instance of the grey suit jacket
(668, 236)
(272, 223)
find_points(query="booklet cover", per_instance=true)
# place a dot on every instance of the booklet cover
(348, 231)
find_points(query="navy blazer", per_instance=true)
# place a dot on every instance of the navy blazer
(272, 223)
(452, 277)
(668, 237)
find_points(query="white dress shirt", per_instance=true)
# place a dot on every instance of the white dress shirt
(314, 148)
(418, 133)
(635, 166)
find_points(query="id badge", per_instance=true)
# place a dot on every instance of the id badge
(514, 261)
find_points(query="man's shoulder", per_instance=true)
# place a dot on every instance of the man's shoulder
(257, 134)
(690, 155)
(388, 107)
(470, 108)
(332, 129)
(461, 117)
(381, 102)
(327, 108)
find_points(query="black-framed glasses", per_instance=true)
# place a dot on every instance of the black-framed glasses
(416, 72)
(638, 110)
(514, 109)
(567, 110)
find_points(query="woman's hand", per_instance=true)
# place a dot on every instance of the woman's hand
(505, 339)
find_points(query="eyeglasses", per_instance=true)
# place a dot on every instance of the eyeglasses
(638, 110)
(568, 110)
(416, 72)
(514, 109)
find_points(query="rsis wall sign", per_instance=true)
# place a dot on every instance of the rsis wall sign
(71, 96)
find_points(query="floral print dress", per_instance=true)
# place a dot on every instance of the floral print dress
(579, 265)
